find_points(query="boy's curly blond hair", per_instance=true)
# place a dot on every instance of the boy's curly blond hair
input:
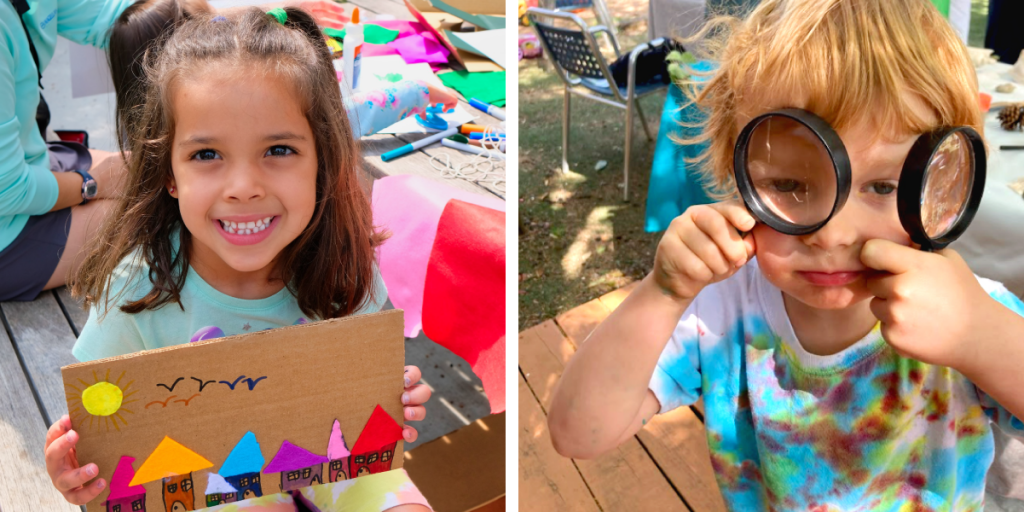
(845, 60)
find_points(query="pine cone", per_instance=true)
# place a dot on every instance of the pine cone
(1012, 117)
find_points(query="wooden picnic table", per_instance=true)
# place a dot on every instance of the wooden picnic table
(666, 467)
(37, 337)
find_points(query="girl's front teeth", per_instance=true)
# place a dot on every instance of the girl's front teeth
(246, 228)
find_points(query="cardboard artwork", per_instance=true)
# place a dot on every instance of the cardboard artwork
(437, 21)
(228, 419)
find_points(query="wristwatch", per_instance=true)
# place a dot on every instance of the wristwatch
(88, 186)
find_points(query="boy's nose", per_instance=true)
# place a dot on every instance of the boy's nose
(840, 231)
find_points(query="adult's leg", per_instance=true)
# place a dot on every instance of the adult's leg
(86, 220)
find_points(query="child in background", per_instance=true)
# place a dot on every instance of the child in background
(843, 369)
(142, 26)
(242, 212)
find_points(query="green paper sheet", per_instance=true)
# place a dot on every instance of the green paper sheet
(373, 34)
(488, 86)
(481, 20)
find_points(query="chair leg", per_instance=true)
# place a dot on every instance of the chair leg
(643, 122)
(629, 143)
(565, 131)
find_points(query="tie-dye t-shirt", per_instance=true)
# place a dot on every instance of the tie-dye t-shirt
(861, 430)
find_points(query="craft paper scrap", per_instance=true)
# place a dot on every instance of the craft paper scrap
(480, 20)
(488, 43)
(169, 459)
(372, 33)
(488, 87)
(215, 484)
(464, 289)
(490, 367)
(290, 457)
(245, 457)
(380, 430)
(383, 71)
(336, 447)
(410, 208)
(417, 48)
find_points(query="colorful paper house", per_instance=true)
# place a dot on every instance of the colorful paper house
(218, 491)
(242, 468)
(375, 447)
(124, 497)
(298, 467)
(173, 464)
(337, 452)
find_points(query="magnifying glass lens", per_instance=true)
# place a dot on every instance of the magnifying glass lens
(791, 171)
(948, 180)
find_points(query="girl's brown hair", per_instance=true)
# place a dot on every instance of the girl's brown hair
(849, 61)
(329, 267)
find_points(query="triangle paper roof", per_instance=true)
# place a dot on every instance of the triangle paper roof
(245, 457)
(291, 458)
(169, 458)
(119, 481)
(380, 430)
(336, 447)
(216, 484)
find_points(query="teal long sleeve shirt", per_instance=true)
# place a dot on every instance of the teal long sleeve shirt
(27, 187)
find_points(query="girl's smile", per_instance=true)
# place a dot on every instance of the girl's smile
(243, 230)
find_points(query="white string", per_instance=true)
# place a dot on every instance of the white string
(482, 169)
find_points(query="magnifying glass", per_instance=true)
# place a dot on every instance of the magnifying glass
(794, 175)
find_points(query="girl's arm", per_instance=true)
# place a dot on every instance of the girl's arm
(603, 396)
(371, 112)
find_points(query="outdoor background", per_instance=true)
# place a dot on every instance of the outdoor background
(577, 238)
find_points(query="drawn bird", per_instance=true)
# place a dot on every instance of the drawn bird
(171, 387)
(164, 403)
(203, 384)
(252, 383)
(187, 400)
(232, 384)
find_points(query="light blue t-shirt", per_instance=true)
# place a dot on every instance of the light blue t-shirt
(27, 187)
(207, 314)
(862, 430)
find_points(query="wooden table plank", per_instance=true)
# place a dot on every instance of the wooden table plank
(547, 481)
(678, 443)
(416, 163)
(44, 340)
(25, 484)
(623, 479)
(74, 307)
(580, 321)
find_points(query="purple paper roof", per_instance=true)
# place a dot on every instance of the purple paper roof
(291, 458)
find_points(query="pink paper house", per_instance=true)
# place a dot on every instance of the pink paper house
(123, 497)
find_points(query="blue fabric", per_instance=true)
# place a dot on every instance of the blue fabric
(674, 186)
(600, 86)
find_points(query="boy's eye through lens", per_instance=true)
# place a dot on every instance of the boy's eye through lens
(882, 188)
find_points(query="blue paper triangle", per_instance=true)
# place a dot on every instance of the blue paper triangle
(245, 457)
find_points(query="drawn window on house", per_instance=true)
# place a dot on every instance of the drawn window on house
(213, 497)
(335, 465)
(372, 459)
(229, 496)
(360, 459)
(256, 479)
(305, 473)
(173, 488)
(139, 505)
(386, 456)
(186, 485)
(293, 475)
(244, 481)
(116, 508)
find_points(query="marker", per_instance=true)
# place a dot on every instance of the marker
(471, 149)
(426, 141)
(470, 128)
(490, 109)
(490, 136)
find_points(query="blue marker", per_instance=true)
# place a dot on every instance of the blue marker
(490, 136)
(490, 109)
(426, 141)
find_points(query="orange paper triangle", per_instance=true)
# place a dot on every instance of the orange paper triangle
(169, 459)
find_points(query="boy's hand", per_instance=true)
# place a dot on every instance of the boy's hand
(930, 304)
(702, 246)
(62, 465)
(413, 398)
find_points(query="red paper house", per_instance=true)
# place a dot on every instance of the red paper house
(375, 447)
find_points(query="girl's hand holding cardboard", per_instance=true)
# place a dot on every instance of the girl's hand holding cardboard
(413, 398)
(702, 246)
(931, 306)
(67, 476)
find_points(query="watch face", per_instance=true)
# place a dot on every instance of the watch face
(89, 189)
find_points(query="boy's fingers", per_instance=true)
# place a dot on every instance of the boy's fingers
(416, 395)
(412, 375)
(700, 244)
(737, 215)
(880, 308)
(56, 430)
(75, 478)
(85, 494)
(409, 434)
(888, 256)
(56, 452)
(415, 413)
(727, 238)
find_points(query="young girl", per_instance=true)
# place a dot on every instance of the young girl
(242, 212)
(841, 369)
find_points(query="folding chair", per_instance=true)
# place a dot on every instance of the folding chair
(584, 71)
(599, 7)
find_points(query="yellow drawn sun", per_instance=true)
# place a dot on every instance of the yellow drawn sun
(102, 402)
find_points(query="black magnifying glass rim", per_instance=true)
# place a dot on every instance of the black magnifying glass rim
(836, 152)
(910, 193)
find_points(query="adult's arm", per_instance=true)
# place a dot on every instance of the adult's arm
(88, 21)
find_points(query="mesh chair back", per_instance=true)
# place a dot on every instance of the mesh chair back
(568, 5)
(570, 49)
